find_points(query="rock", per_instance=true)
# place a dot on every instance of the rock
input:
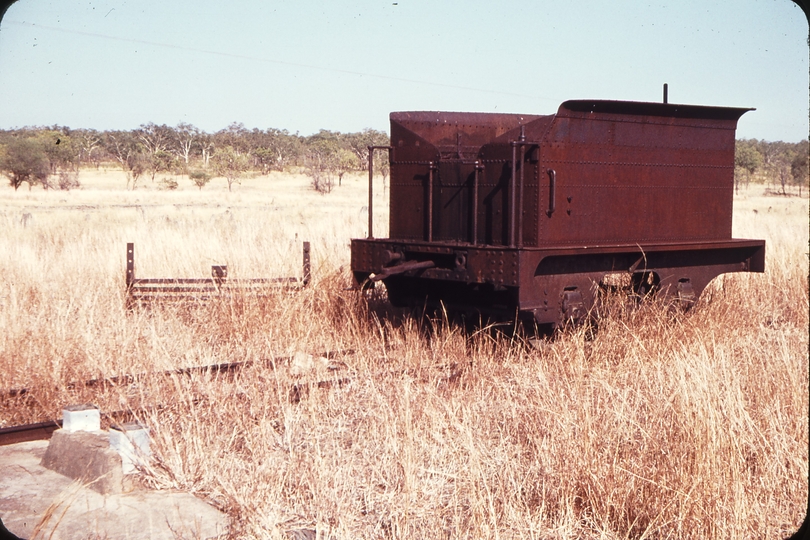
(86, 456)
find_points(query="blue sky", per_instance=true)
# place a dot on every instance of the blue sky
(305, 65)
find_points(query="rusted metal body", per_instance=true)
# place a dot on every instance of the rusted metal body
(149, 290)
(527, 214)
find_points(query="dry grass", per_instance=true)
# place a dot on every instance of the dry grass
(658, 426)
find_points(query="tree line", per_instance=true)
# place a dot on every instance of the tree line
(52, 156)
(772, 163)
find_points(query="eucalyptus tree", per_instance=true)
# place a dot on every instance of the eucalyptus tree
(799, 165)
(360, 141)
(88, 142)
(321, 159)
(63, 155)
(24, 159)
(155, 140)
(128, 151)
(747, 159)
(184, 139)
(275, 149)
(236, 136)
(230, 164)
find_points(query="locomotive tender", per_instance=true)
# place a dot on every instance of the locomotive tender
(527, 215)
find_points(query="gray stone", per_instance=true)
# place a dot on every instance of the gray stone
(38, 502)
(86, 456)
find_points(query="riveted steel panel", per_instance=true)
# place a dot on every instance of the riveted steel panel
(527, 214)
(452, 143)
(639, 172)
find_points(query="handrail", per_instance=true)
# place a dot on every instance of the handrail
(479, 167)
(371, 186)
(522, 169)
(432, 167)
(513, 207)
(513, 195)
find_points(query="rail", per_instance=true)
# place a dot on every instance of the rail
(43, 430)
(296, 392)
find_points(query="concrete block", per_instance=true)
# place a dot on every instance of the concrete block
(131, 441)
(87, 457)
(36, 502)
(81, 418)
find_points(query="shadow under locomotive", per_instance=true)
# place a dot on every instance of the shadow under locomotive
(525, 216)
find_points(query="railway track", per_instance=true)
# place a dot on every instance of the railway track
(43, 430)
(297, 392)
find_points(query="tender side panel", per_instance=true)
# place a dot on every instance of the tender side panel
(639, 173)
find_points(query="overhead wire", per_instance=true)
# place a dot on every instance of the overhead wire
(275, 61)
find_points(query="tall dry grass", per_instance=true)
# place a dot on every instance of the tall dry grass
(658, 425)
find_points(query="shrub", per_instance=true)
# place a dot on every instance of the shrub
(169, 184)
(200, 178)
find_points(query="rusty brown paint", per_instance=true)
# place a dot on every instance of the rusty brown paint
(598, 187)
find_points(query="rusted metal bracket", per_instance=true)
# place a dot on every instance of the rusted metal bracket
(148, 290)
(402, 268)
(573, 307)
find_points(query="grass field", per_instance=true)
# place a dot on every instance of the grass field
(661, 425)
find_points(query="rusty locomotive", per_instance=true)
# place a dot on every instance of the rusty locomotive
(526, 215)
